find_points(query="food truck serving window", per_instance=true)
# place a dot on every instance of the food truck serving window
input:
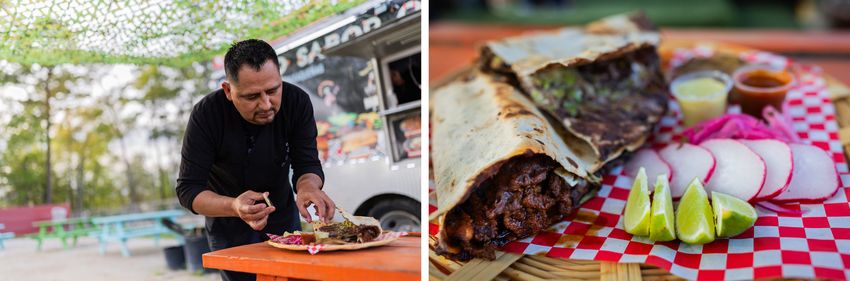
(365, 87)
(401, 72)
(404, 76)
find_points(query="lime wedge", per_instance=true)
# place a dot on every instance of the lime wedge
(661, 221)
(636, 216)
(694, 220)
(732, 216)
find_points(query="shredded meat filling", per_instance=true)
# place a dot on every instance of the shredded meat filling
(525, 197)
(351, 233)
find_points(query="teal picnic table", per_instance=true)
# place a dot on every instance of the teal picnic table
(121, 228)
(62, 229)
(4, 236)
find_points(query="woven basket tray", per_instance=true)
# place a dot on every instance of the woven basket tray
(509, 266)
(532, 267)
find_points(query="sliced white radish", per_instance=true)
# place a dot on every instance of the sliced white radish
(814, 179)
(779, 162)
(649, 160)
(740, 172)
(687, 161)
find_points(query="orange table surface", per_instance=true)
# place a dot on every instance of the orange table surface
(399, 260)
(454, 45)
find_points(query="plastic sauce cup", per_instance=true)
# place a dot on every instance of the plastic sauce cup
(758, 86)
(701, 95)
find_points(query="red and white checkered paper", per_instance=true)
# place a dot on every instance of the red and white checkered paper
(316, 248)
(813, 245)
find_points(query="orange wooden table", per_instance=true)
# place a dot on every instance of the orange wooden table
(455, 45)
(399, 260)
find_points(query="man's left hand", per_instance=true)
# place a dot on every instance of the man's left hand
(310, 194)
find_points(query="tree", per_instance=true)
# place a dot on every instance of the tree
(161, 86)
(44, 86)
(112, 102)
(85, 136)
(23, 158)
(61, 140)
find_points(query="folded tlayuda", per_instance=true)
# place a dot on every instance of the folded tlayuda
(519, 143)
(603, 82)
(501, 170)
(354, 229)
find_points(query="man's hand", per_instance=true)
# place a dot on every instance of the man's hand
(309, 193)
(256, 215)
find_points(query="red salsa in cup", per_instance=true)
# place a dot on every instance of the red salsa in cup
(758, 86)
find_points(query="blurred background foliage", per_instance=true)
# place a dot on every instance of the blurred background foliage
(70, 130)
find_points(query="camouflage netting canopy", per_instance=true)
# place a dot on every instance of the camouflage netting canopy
(164, 32)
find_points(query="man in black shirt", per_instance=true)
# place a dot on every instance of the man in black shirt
(239, 144)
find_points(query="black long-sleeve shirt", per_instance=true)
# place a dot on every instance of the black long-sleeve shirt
(227, 155)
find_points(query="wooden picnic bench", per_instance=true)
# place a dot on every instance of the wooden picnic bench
(4, 236)
(62, 229)
(123, 227)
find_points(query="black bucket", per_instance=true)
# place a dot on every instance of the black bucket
(195, 247)
(175, 258)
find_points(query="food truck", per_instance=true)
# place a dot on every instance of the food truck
(362, 70)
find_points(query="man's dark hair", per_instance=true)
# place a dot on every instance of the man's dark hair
(251, 52)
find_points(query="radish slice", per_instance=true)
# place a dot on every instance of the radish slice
(687, 161)
(649, 160)
(740, 172)
(779, 162)
(814, 179)
(779, 209)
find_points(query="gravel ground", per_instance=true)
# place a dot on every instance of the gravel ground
(21, 261)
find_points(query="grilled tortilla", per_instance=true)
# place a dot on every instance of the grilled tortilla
(354, 229)
(502, 172)
(603, 83)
